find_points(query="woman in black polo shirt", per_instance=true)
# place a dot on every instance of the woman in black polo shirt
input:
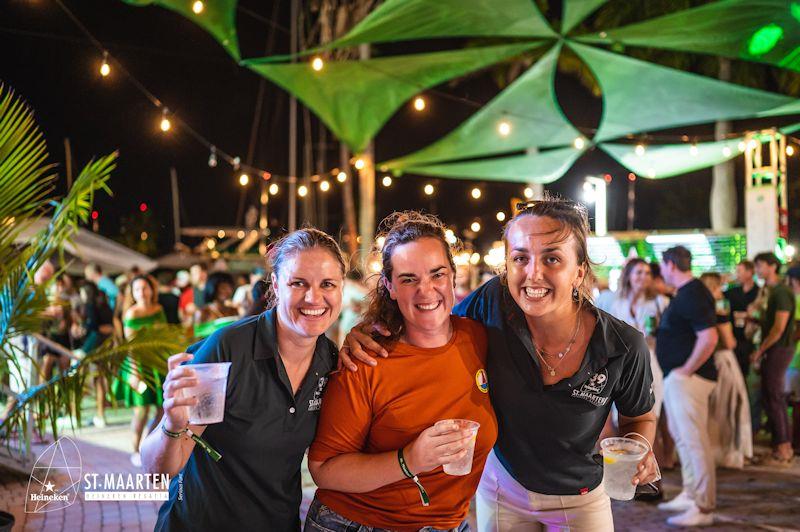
(280, 363)
(556, 364)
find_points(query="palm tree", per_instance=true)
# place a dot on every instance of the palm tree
(26, 195)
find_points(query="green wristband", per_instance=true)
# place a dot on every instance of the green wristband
(423, 495)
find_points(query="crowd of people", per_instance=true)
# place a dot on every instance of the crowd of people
(694, 368)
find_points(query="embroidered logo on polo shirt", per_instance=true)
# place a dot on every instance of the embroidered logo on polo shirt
(482, 381)
(591, 389)
(315, 403)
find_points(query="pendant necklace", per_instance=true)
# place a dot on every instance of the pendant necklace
(541, 352)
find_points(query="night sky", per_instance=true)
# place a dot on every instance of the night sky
(48, 62)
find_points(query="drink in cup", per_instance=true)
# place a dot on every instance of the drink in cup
(212, 381)
(463, 466)
(620, 458)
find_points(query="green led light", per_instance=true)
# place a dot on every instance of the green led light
(794, 9)
(764, 39)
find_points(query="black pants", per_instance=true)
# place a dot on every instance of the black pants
(773, 369)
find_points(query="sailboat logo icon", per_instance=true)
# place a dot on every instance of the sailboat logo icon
(55, 478)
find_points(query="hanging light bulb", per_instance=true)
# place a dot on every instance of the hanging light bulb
(752, 144)
(244, 179)
(501, 216)
(360, 164)
(105, 68)
(165, 123)
(579, 143)
(528, 192)
(237, 162)
(790, 150)
(341, 177)
(198, 7)
(726, 151)
(741, 146)
(639, 150)
(317, 63)
(302, 191)
(428, 190)
(387, 181)
(475, 193)
(693, 149)
(220, 234)
(419, 103)
(504, 128)
(324, 186)
(212, 157)
(475, 226)
(273, 188)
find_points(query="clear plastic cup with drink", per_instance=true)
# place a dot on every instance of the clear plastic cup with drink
(620, 458)
(463, 466)
(212, 381)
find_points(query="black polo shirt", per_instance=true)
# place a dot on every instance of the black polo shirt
(262, 439)
(547, 434)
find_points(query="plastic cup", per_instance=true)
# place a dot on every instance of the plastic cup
(620, 458)
(212, 381)
(463, 466)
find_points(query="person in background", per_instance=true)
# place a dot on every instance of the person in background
(168, 296)
(243, 296)
(793, 373)
(727, 339)
(260, 299)
(131, 387)
(217, 310)
(97, 322)
(57, 328)
(659, 285)
(739, 297)
(354, 303)
(774, 355)
(94, 273)
(193, 299)
(685, 342)
(183, 282)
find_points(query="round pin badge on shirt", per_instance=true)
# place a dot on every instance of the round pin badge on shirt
(482, 381)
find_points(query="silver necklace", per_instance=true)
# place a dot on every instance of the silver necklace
(541, 352)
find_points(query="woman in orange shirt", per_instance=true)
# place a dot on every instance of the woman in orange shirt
(378, 451)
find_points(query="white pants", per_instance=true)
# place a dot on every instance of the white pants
(658, 383)
(503, 504)
(686, 402)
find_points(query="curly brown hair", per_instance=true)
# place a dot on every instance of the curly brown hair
(401, 228)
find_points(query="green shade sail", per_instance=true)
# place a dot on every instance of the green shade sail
(791, 108)
(355, 98)
(766, 31)
(402, 20)
(529, 108)
(668, 160)
(640, 96)
(543, 167)
(577, 10)
(218, 17)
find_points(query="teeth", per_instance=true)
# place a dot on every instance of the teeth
(430, 306)
(536, 292)
(309, 312)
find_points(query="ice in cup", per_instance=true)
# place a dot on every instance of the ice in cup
(212, 381)
(620, 458)
(463, 466)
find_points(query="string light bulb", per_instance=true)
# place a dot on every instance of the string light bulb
(273, 189)
(220, 234)
(579, 143)
(387, 181)
(302, 191)
(726, 151)
(212, 157)
(640, 149)
(237, 162)
(419, 103)
(693, 149)
(198, 7)
(317, 63)
(752, 144)
(165, 124)
(360, 164)
(501, 216)
(789, 150)
(341, 177)
(504, 128)
(475, 193)
(428, 190)
(475, 226)
(244, 179)
(105, 68)
(324, 186)
(528, 192)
